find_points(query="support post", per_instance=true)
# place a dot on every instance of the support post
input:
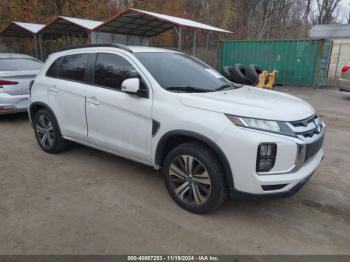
(73, 36)
(194, 43)
(89, 37)
(36, 47)
(207, 45)
(66, 39)
(41, 48)
(180, 38)
(337, 65)
(178, 31)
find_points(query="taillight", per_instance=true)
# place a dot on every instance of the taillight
(7, 83)
(345, 69)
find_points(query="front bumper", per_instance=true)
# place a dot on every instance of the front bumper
(287, 177)
(13, 104)
(237, 194)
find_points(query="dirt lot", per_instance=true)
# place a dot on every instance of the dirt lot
(88, 202)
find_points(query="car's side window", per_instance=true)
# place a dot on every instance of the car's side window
(54, 68)
(111, 70)
(73, 67)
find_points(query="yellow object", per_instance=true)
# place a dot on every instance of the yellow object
(267, 80)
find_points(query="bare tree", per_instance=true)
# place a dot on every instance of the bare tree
(60, 5)
(348, 16)
(307, 14)
(275, 19)
(326, 12)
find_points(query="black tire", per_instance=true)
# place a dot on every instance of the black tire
(226, 72)
(46, 123)
(238, 72)
(252, 74)
(209, 172)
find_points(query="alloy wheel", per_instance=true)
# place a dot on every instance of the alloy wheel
(45, 132)
(190, 180)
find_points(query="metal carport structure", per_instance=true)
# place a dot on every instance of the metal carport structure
(23, 30)
(138, 22)
(67, 27)
(132, 22)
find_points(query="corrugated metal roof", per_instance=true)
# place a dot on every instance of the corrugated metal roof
(184, 22)
(145, 23)
(63, 25)
(34, 28)
(20, 29)
(88, 24)
(335, 31)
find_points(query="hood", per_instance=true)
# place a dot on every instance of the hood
(251, 102)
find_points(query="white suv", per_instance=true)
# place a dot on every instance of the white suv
(165, 109)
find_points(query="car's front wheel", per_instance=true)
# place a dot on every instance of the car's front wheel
(194, 177)
(47, 132)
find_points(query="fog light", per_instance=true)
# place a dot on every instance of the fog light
(266, 157)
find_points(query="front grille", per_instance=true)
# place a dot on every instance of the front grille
(307, 128)
(304, 122)
(313, 148)
(311, 132)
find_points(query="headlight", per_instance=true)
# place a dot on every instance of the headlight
(278, 127)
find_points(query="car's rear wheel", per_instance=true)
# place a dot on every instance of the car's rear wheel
(194, 178)
(47, 132)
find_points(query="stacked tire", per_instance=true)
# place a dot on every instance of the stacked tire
(241, 74)
(252, 74)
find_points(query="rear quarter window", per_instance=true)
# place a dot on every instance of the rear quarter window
(73, 67)
(54, 68)
(19, 64)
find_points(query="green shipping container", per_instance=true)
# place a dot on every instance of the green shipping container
(298, 62)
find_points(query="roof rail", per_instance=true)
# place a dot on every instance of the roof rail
(120, 46)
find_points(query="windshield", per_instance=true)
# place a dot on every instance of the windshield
(19, 64)
(182, 73)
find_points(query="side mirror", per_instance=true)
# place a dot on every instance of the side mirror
(131, 85)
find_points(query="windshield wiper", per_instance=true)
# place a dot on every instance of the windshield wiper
(228, 87)
(189, 89)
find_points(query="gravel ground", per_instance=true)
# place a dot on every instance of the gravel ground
(84, 201)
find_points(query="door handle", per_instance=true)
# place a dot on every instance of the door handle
(93, 100)
(53, 90)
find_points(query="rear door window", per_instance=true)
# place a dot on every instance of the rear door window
(111, 70)
(73, 67)
(19, 64)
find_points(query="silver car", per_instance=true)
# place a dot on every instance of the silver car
(344, 80)
(16, 73)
